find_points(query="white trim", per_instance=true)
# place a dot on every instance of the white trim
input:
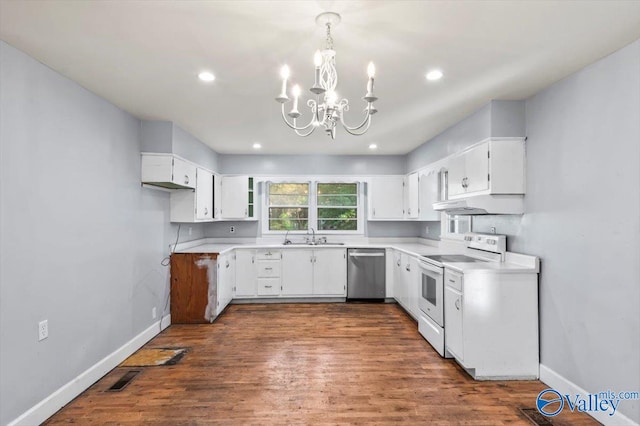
(58, 399)
(564, 386)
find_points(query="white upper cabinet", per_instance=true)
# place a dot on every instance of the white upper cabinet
(235, 201)
(429, 187)
(194, 206)
(412, 196)
(217, 195)
(492, 167)
(386, 198)
(204, 195)
(167, 171)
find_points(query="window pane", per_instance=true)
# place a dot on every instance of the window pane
(288, 213)
(337, 188)
(289, 188)
(288, 200)
(336, 213)
(337, 200)
(337, 224)
(288, 225)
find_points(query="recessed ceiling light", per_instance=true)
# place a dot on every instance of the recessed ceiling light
(206, 76)
(373, 146)
(257, 146)
(434, 75)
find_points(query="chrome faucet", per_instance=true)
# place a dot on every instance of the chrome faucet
(313, 238)
(286, 240)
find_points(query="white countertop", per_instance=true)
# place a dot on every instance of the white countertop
(514, 263)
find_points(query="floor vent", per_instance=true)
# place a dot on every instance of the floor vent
(123, 381)
(535, 417)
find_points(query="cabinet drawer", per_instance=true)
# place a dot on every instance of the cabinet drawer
(268, 286)
(453, 279)
(268, 254)
(268, 268)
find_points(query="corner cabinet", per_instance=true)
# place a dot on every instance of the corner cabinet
(491, 167)
(167, 171)
(386, 198)
(496, 343)
(237, 197)
(195, 206)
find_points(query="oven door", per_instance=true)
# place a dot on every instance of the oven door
(431, 292)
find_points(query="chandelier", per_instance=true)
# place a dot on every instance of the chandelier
(326, 109)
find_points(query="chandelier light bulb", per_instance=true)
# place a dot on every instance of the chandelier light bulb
(296, 90)
(371, 70)
(284, 72)
(317, 59)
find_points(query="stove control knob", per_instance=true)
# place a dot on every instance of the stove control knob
(492, 242)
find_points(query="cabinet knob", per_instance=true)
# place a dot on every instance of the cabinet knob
(245, 212)
(206, 211)
(457, 304)
(186, 179)
(374, 212)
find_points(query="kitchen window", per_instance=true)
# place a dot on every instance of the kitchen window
(337, 206)
(327, 207)
(288, 206)
(455, 226)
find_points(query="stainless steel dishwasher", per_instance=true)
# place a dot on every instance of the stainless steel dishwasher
(366, 274)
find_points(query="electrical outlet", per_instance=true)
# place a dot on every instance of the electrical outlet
(190, 230)
(43, 330)
(232, 229)
(154, 314)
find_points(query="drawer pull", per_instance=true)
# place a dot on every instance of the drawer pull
(268, 269)
(268, 286)
(452, 281)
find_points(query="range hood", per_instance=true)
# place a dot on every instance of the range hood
(483, 204)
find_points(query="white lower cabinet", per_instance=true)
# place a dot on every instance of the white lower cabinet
(330, 272)
(246, 276)
(406, 286)
(226, 280)
(297, 272)
(491, 323)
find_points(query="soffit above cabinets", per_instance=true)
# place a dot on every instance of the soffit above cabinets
(145, 58)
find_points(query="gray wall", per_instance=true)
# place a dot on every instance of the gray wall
(313, 164)
(495, 119)
(167, 137)
(81, 240)
(583, 220)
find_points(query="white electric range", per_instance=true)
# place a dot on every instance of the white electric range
(431, 324)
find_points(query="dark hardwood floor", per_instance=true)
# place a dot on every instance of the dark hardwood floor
(305, 364)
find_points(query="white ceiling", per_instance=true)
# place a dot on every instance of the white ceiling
(144, 57)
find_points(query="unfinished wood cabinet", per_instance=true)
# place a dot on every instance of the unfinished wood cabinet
(191, 275)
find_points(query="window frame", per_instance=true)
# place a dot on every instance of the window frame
(312, 220)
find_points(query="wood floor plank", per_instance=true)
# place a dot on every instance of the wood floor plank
(305, 364)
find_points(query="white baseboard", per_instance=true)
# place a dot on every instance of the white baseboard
(564, 386)
(58, 399)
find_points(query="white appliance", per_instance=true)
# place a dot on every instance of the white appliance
(431, 323)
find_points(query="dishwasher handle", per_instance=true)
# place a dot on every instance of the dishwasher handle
(366, 254)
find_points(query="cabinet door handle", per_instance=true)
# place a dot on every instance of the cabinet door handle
(409, 211)
(452, 281)
(398, 263)
(374, 212)
(245, 212)
(206, 211)
(253, 260)
(186, 179)
(408, 268)
(227, 265)
(457, 304)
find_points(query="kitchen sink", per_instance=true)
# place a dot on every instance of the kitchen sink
(312, 244)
